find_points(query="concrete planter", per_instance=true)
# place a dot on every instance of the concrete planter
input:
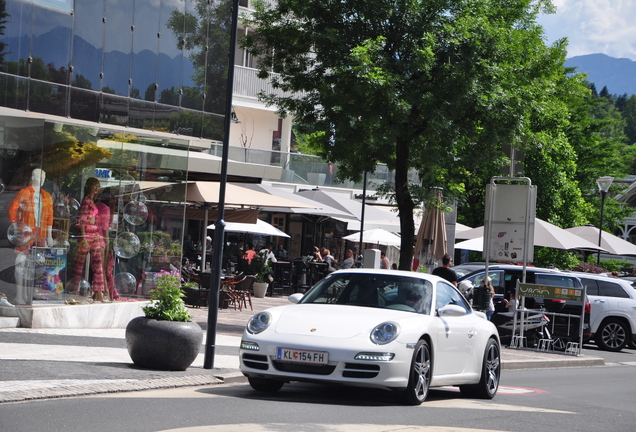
(260, 289)
(163, 345)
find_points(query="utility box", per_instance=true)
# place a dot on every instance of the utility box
(371, 258)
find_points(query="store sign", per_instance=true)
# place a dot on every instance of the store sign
(550, 292)
(367, 197)
(103, 173)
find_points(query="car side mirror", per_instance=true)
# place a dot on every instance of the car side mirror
(451, 310)
(295, 298)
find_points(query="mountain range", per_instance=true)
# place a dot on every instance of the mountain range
(617, 74)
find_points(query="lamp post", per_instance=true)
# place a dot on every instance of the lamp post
(603, 184)
(219, 225)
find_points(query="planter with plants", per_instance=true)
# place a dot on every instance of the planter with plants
(192, 293)
(164, 338)
(261, 269)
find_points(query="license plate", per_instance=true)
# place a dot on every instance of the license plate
(302, 356)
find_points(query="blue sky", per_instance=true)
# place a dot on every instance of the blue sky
(594, 26)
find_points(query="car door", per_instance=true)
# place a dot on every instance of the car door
(607, 298)
(454, 338)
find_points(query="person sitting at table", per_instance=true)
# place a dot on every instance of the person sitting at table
(280, 252)
(348, 261)
(269, 254)
(249, 254)
(316, 254)
(329, 259)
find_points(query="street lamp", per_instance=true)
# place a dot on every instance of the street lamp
(603, 184)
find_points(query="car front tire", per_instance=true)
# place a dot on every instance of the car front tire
(419, 376)
(490, 374)
(612, 335)
(265, 385)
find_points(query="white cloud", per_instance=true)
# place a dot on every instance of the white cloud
(594, 26)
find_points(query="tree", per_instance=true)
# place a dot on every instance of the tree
(433, 86)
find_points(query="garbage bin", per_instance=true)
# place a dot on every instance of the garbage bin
(481, 298)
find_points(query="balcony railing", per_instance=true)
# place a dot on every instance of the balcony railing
(306, 169)
(247, 84)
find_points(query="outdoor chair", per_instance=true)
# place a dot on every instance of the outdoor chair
(231, 296)
(243, 289)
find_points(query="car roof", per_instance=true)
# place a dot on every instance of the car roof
(391, 272)
(511, 267)
(598, 276)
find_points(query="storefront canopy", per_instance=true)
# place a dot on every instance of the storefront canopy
(236, 195)
(260, 227)
(374, 216)
(320, 209)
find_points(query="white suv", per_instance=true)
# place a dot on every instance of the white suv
(613, 315)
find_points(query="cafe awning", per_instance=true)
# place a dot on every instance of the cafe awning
(260, 227)
(236, 195)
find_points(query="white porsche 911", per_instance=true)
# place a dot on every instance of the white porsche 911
(397, 330)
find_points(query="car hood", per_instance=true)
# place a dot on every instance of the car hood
(335, 321)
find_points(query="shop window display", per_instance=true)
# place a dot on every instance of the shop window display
(88, 218)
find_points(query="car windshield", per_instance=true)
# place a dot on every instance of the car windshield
(384, 291)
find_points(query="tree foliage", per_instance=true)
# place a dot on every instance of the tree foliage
(432, 86)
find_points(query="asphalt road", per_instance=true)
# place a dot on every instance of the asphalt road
(582, 399)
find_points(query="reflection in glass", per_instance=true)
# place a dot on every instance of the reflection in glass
(48, 98)
(145, 45)
(9, 150)
(113, 109)
(127, 245)
(20, 234)
(170, 57)
(135, 213)
(51, 29)
(25, 266)
(118, 36)
(84, 289)
(88, 44)
(85, 105)
(141, 114)
(125, 283)
(17, 37)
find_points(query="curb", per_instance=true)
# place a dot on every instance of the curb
(550, 364)
(108, 386)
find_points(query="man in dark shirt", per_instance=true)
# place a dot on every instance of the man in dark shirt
(445, 272)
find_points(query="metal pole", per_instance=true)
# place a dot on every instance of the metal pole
(364, 200)
(600, 227)
(219, 225)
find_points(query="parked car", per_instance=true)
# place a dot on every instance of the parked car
(396, 330)
(463, 269)
(562, 327)
(613, 314)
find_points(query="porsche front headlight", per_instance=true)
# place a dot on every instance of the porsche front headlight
(384, 333)
(259, 322)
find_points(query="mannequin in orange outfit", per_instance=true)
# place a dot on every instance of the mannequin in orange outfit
(31, 211)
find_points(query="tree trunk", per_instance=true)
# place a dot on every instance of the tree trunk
(405, 205)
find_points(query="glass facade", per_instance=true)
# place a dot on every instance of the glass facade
(158, 65)
(87, 211)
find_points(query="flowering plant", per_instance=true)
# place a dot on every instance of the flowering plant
(166, 300)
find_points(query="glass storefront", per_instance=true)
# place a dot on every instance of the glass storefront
(158, 65)
(87, 213)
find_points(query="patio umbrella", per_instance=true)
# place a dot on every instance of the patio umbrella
(320, 208)
(207, 194)
(378, 236)
(545, 235)
(260, 227)
(476, 244)
(431, 236)
(613, 244)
